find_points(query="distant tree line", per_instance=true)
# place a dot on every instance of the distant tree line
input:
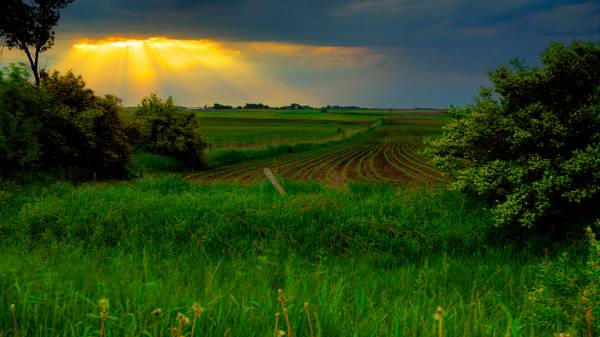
(218, 106)
(292, 106)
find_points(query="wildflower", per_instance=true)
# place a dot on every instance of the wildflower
(183, 319)
(198, 310)
(589, 314)
(103, 304)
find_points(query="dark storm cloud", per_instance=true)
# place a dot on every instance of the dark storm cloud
(354, 22)
(457, 41)
(503, 29)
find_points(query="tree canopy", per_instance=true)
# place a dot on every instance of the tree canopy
(170, 131)
(29, 26)
(531, 142)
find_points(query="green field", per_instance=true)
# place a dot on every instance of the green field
(255, 128)
(368, 235)
(232, 132)
(239, 128)
(333, 115)
(371, 260)
(388, 152)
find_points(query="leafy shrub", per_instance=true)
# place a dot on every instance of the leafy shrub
(170, 131)
(19, 125)
(531, 143)
(81, 129)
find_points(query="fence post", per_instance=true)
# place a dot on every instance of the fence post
(274, 181)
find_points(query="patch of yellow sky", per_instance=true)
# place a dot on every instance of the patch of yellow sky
(144, 65)
(200, 70)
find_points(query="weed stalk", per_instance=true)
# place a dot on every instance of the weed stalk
(198, 310)
(103, 306)
(310, 324)
(13, 312)
(439, 316)
(276, 324)
(286, 316)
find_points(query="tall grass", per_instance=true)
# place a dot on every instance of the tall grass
(57, 290)
(168, 213)
(369, 260)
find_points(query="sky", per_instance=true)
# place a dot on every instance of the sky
(371, 53)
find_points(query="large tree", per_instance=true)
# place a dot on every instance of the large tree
(29, 26)
(532, 141)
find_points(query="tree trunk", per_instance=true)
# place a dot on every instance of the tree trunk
(33, 63)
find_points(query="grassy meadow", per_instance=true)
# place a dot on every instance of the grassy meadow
(370, 258)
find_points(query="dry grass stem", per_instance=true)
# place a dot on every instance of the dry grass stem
(13, 313)
(310, 324)
(284, 309)
(439, 316)
(276, 324)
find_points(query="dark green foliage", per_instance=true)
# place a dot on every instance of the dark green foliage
(218, 106)
(19, 125)
(28, 25)
(81, 129)
(256, 106)
(61, 124)
(532, 142)
(143, 163)
(170, 131)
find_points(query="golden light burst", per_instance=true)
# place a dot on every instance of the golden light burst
(143, 59)
(199, 70)
(141, 63)
(172, 54)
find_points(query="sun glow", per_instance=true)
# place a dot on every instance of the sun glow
(205, 71)
(143, 59)
(142, 65)
(172, 54)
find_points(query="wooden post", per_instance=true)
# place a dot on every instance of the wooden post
(274, 181)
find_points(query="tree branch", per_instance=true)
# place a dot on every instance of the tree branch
(37, 56)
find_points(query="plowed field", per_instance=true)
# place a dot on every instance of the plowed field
(386, 154)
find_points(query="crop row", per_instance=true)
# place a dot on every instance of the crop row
(384, 154)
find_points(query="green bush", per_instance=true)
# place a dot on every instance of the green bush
(531, 143)
(61, 124)
(81, 129)
(170, 131)
(19, 125)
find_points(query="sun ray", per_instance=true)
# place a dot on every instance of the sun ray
(133, 68)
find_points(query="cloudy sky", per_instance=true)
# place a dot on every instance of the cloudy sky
(378, 53)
